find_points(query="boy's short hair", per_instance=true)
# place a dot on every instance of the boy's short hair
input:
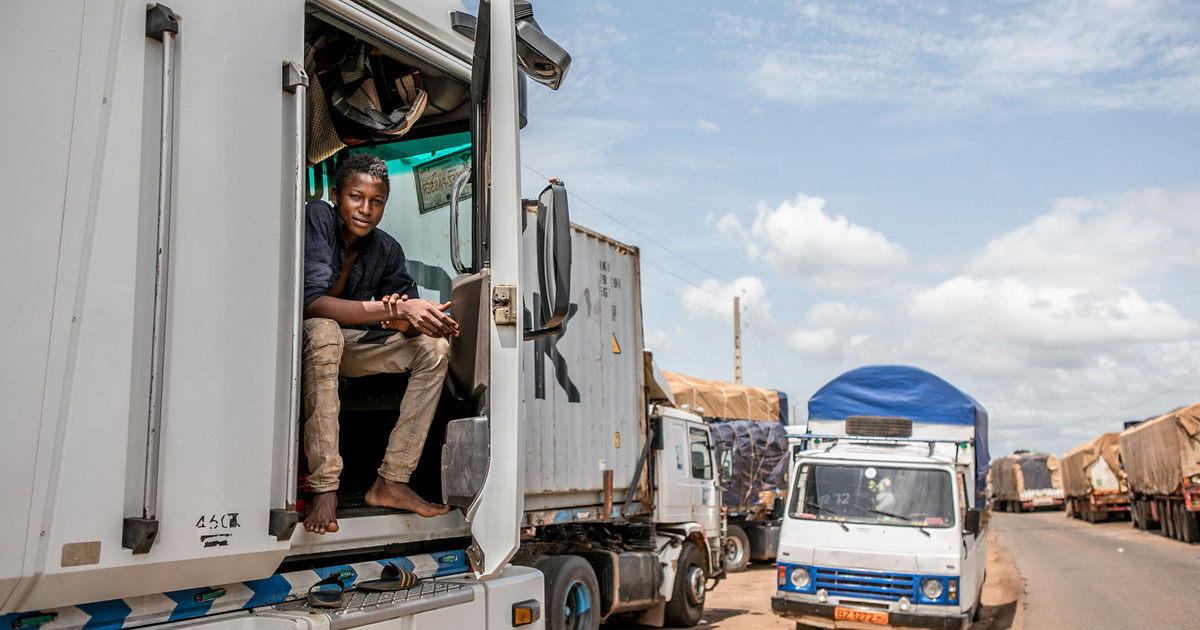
(366, 164)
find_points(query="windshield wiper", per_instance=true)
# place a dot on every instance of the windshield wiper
(819, 509)
(901, 517)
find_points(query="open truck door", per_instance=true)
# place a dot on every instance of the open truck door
(507, 42)
(154, 402)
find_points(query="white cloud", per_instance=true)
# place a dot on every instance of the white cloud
(707, 126)
(713, 299)
(660, 340)
(843, 331)
(1016, 322)
(826, 253)
(1092, 54)
(1117, 239)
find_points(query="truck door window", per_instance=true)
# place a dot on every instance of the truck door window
(962, 496)
(874, 494)
(701, 455)
(417, 214)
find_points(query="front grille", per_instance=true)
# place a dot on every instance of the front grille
(866, 584)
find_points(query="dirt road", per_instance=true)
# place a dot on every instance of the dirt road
(743, 602)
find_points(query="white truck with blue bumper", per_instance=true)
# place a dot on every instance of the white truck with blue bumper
(885, 520)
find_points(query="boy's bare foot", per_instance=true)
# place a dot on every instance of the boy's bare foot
(321, 514)
(393, 494)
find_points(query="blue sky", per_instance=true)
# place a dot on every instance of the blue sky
(1004, 193)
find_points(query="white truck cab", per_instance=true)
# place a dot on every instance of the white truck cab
(883, 523)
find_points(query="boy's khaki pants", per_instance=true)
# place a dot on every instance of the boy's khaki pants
(329, 351)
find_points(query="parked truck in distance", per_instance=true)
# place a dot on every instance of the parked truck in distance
(750, 444)
(1026, 481)
(885, 521)
(1094, 483)
(1162, 460)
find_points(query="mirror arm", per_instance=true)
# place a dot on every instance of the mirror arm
(543, 332)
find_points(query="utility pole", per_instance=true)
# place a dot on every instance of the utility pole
(737, 342)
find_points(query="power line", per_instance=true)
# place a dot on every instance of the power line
(757, 334)
(648, 238)
(685, 300)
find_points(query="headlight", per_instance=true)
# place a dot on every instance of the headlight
(799, 577)
(931, 588)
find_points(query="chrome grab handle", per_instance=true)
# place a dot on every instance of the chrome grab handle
(295, 81)
(139, 533)
(455, 191)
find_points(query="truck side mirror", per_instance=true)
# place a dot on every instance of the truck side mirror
(971, 522)
(539, 57)
(553, 261)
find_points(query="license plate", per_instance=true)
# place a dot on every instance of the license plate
(862, 616)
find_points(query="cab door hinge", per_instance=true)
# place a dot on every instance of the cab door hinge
(504, 301)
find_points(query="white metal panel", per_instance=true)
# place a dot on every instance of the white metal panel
(222, 392)
(584, 398)
(33, 167)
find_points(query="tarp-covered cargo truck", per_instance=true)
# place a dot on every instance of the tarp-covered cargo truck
(1026, 481)
(750, 440)
(1093, 481)
(885, 522)
(1162, 462)
(152, 399)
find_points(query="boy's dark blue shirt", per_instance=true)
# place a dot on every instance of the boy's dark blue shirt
(379, 270)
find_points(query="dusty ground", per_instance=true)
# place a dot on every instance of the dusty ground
(743, 602)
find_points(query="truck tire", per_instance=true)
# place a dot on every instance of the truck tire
(1186, 527)
(687, 598)
(1190, 526)
(736, 549)
(572, 593)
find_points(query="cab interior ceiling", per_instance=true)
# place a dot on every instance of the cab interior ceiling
(449, 99)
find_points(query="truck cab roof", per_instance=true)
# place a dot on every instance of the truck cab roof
(903, 453)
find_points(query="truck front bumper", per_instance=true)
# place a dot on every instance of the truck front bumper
(801, 611)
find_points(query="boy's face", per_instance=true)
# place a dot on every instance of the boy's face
(359, 202)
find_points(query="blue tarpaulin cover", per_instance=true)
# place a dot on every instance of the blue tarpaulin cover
(758, 461)
(905, 391)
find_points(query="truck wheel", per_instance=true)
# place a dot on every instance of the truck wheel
(1186, 527)
(736, 549)
(687, 598)
(572, 593)
(1189, 525)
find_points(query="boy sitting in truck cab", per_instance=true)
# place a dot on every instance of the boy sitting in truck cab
(355, 276)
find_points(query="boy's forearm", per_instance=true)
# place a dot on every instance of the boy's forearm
(347, 312)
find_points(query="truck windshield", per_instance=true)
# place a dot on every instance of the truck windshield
(874, 494)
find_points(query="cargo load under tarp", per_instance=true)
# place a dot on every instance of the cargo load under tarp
(1076, 464)
(757, 465)
(1023, 472)
(1161, 452)
(904, 391)
(728, 401)
(1039, 471)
